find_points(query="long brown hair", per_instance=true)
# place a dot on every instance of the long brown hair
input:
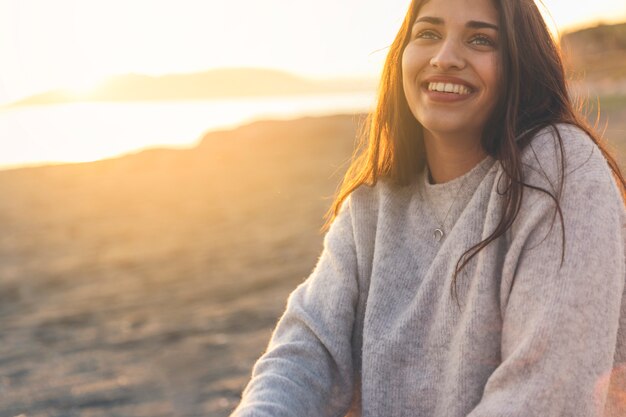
(534, 95)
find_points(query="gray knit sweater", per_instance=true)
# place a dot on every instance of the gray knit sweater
(376, 331)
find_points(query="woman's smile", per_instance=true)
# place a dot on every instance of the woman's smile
(447, 89)
(450, 67)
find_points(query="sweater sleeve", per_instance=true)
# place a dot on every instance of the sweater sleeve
(560, 315)
(307, 367)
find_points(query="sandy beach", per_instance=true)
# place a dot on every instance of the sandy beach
(148, 285)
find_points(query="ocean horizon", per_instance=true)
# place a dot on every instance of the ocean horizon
(91, 131)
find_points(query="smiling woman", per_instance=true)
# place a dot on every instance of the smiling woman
(474, 263)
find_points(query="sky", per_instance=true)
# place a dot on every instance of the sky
(47, 44)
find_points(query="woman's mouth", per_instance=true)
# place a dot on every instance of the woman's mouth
(449, 88)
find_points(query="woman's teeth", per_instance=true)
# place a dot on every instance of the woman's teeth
(449, 88)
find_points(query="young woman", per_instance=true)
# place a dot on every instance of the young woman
(475, 261)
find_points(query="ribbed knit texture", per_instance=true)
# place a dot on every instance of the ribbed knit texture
(376, 331)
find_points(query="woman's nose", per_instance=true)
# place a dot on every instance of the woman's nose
(448, 56)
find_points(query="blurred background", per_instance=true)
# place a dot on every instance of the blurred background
(164, 169)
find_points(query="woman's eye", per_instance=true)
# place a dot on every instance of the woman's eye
(426, 34)
(482, 40)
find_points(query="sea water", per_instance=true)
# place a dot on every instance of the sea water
(81, 132)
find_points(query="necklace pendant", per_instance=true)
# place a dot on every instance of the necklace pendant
(438, 234)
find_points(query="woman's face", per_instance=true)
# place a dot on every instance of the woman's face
(450, 66)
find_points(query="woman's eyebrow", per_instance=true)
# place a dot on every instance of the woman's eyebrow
(472, 24)
(429, 19)
(477, 24)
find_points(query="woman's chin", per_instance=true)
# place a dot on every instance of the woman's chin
(448, 128)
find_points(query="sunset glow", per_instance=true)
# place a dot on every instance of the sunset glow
(70, 43)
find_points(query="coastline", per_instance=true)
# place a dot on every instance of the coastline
(91, 131)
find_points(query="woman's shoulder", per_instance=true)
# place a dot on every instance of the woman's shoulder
(563, 164)
(379, 196)
(561, 151)
(368, 203)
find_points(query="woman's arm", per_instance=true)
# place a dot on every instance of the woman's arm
(560, 317)
(307, 367)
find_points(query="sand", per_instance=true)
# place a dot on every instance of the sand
(149, 284)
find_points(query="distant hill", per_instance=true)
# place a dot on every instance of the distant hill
(219, 83)
(596, 58)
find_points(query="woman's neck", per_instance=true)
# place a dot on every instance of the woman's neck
(449, 158)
